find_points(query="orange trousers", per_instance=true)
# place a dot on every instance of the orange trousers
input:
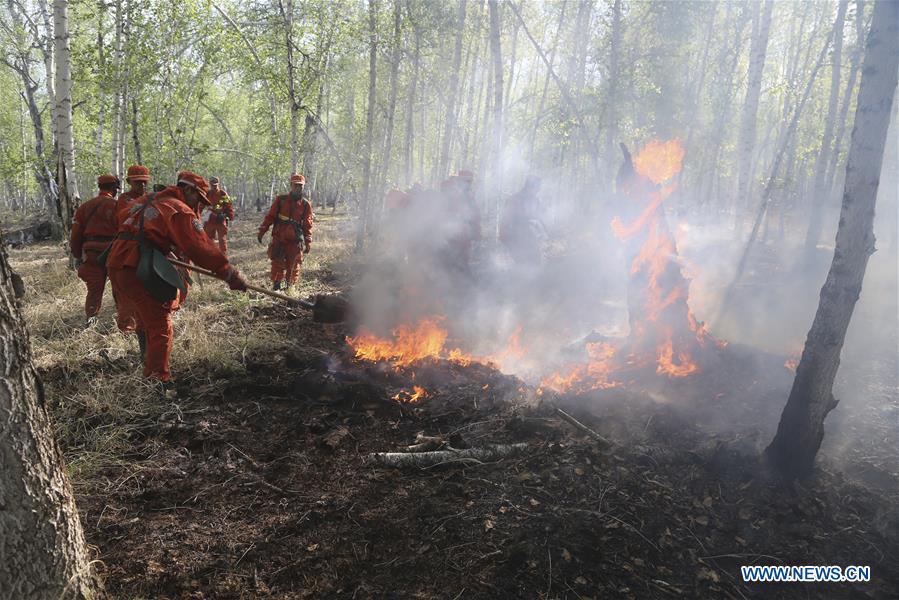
(94, 276)
(286, 261)
(220, 229)
(139, 311)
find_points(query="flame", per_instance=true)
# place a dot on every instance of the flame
(666, 288)
(792, 363)
(667, 366)
(410, 344)
(413, 397)
(592, 375)
(660, 161)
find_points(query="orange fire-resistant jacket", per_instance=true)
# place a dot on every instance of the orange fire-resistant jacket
(94, 225)
(287, 215)
(171, 225)
(220, 206)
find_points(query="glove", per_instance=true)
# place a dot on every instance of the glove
(235, 280)
(259, 237)
(307, 248)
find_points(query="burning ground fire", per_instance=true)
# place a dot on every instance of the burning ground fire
(413, 397)
(663, 331)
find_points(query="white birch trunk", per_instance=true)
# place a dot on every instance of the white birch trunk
(801, 427)
(65, 171)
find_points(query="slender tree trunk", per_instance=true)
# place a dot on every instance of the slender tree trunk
(135, 137)
(118, 107)
(449, 132)
(408, 152)
(367, 203)
(612, 89)
(252, 48)
(819, 198)
(391, 98)
(761, 26)
(588, 137)
(512, 61)
(287, 15)
(549, 70)
(497, 149)
(847, 97)
(65, 172)
(801, 427)
(45, 555)
(785, 141)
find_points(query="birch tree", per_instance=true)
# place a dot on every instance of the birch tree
(41, 540)
(67, 189)
(801, 427)
(761, 25)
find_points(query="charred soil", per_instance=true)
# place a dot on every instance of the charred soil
(255, 481)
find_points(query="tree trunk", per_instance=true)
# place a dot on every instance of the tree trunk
(761, 26)
(614, 73)
(847, 97)
(819, 198)
(138, 157)
(118, 107)
(65, 171)
(366, 203)
(287, 15)
(782, 147)
(549, 70)
(450, 130)
(41, 540)
(391, 98)
(410, 101)
(252, 48)
(497, 144)
(801, 427)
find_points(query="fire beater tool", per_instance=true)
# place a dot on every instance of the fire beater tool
(325, 309)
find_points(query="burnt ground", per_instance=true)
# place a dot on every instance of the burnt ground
(259, 488)
(254, 481)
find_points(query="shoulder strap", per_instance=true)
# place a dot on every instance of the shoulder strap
(140, 226)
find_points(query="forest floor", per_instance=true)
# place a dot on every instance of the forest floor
(254, 481)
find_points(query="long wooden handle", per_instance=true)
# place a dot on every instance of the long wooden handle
(250, 286)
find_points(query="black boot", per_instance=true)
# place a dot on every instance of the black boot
(142, 344)
(277, 285)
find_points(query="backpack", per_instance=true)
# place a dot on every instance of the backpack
(160, 277)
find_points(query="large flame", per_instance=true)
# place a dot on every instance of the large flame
(656, 263)
(660, 161)
(664, 333)
(409, 344)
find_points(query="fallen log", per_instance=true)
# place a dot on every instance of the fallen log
(36, 231)
(467, 456)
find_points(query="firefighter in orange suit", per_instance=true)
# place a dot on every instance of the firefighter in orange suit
(292, 218)
(93, 229)
(461, 194)
(138, 177)
(221, 213)
(166, 221)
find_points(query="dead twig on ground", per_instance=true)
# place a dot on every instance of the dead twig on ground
(581, 427)
(430, 459)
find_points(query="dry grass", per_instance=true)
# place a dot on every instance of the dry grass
(92, 376)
